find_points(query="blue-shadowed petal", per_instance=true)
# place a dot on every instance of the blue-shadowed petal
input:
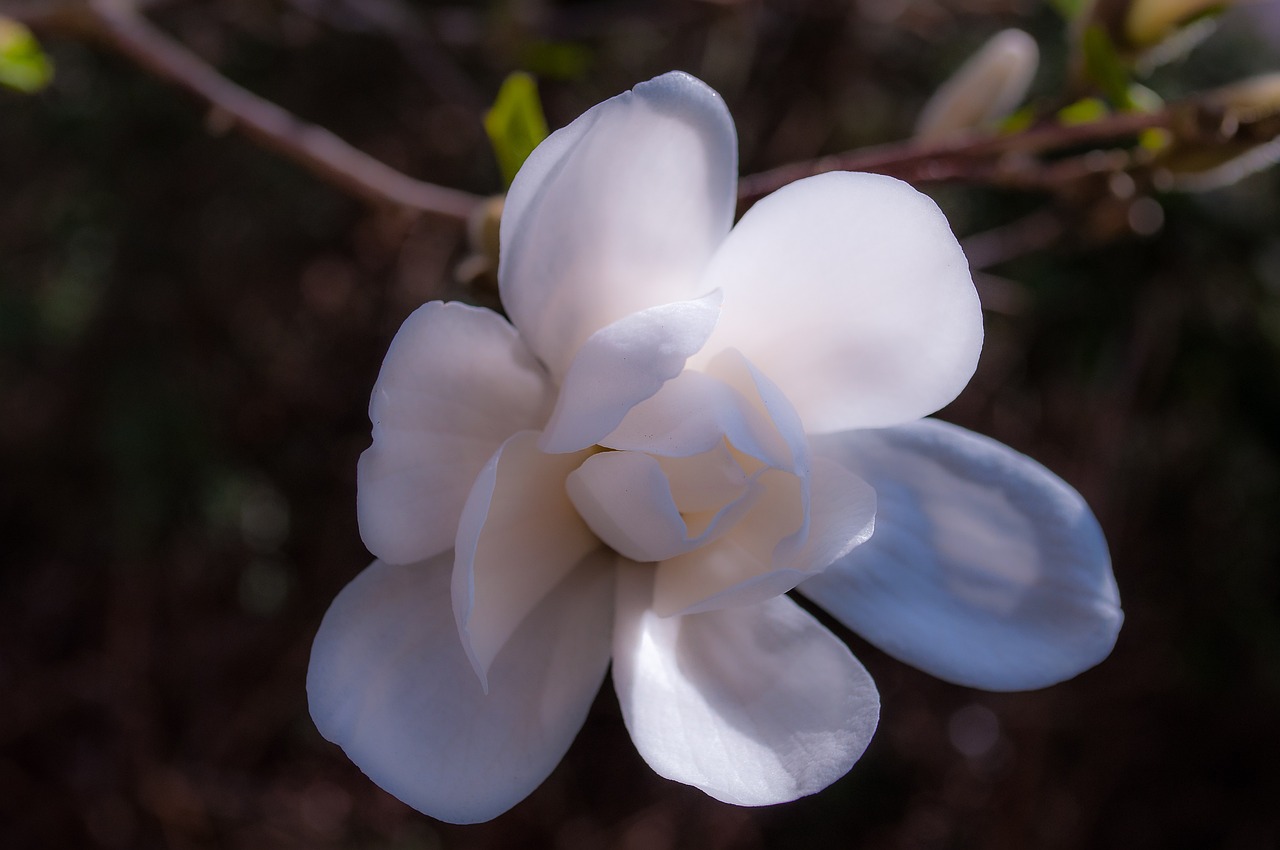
(390, 683)
(985, 569)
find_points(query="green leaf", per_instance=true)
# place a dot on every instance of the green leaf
(1103, 65)
(515, 124)
(1070, 9)
(23, 65)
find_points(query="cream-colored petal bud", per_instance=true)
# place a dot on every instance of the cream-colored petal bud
(1152, 21)
(985, 89)
(1236, 132)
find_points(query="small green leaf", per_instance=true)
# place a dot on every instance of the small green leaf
(1018, 121)
(515, 124)
(1155, 140)
(23, 65)
(1084, 111)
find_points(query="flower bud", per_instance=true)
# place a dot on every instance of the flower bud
(1230, 133)
(1150, 22)
(985, 89)
(480, 266)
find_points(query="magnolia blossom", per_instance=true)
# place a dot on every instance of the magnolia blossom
(683, 420)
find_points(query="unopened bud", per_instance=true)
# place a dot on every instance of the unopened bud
(1232, 132)
(480, 266)
(1248, 100)
(1150, 22)
(482, 228)
(986, 88)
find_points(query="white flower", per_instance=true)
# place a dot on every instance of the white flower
(679, 424)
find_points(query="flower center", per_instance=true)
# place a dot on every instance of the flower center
(652, 508)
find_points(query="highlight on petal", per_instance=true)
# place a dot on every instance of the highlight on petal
(518, 538)
(851, 293)
(456, 382)
(623, 364)
(754, 706)
(617, 212)
(390, 684)
(985, 569)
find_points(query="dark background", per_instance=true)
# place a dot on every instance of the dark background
(190, 327)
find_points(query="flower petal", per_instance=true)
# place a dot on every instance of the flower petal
(754, 705)
(762, 556)
(851, 293)
(518, 538)
(455, 383)
(389, 683)
(985, 569)
(623, 364)
(692, 414)
(618, 212)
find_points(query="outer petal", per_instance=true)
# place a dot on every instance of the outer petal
(518, 538)
(617, 212)
(456, 382)
(624, 364)
(390, 684)
(754, 706)
(851, 293)
(985, 569)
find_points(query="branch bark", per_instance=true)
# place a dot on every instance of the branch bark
(985, 160)
(122, 28)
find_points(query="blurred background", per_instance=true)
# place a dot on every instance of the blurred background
(190, 327)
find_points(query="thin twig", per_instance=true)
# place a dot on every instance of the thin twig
(1026, 235)
(983, 159)
(122, 28)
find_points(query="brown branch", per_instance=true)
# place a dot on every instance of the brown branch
(990, 160)
(121, 27)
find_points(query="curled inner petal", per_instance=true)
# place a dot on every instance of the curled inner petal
(759, 558)
(625, 498)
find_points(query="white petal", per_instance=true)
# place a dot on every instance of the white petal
(692, 414)
(624, 364)
(389, 683)
(851, 293)
(625, 499)
(618, 212)
(518, 538)
(760, 558)
(456, 382)
(985, 569)
(754, 706)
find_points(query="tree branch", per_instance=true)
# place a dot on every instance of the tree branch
(122, 28)
(989, 160)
